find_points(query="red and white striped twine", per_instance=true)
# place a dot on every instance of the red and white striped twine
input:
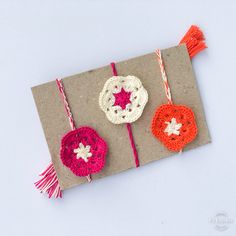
(49, 183)
(66, 104)
(164, 77)
(68, 112)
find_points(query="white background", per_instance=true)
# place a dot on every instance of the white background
(43, 40)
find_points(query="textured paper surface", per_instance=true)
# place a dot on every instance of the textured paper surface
(83, 90)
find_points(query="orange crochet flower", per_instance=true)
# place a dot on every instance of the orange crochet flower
(174, 126)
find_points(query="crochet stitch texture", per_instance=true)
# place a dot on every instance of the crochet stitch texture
(183, 130)
(83, 163)
(123, 99)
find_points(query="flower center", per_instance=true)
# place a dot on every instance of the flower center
(83, 152)
(122, 98)
(173, 127)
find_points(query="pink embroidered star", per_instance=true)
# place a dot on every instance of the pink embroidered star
(122, 98)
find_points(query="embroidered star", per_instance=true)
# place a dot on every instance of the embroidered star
(172, 127)
(83, 152)
(122, 98)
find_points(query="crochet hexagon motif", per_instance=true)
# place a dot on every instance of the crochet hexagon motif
(174, 126)
(83, 151)
(123, 99)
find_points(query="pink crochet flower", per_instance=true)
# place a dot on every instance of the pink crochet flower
(83, 151)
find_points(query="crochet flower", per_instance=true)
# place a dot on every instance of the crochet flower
(83, 151)
(123, 99)
(174, 126)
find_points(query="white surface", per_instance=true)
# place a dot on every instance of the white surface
(42, 40)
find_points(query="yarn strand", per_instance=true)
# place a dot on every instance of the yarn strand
(66, 104)
(68, 112)
(131, 138)
(164, 77)
(128, 126)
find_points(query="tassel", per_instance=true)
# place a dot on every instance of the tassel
(194, 40)
(49, 183)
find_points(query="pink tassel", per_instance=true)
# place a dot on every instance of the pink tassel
(49, 183)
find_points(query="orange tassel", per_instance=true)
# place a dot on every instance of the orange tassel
(194, 40)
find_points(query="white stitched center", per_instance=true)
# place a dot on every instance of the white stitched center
(172, 127)
(83, 152)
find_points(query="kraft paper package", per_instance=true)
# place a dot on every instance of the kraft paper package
(82, 91)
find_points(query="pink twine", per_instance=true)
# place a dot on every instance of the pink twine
(128, 125)
(66, 104)
(113, 66)
(49, 183)
(68, 112)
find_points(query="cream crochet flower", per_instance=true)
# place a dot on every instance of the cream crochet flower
(123, 99)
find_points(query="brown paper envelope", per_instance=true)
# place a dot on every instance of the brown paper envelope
(82, 92)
